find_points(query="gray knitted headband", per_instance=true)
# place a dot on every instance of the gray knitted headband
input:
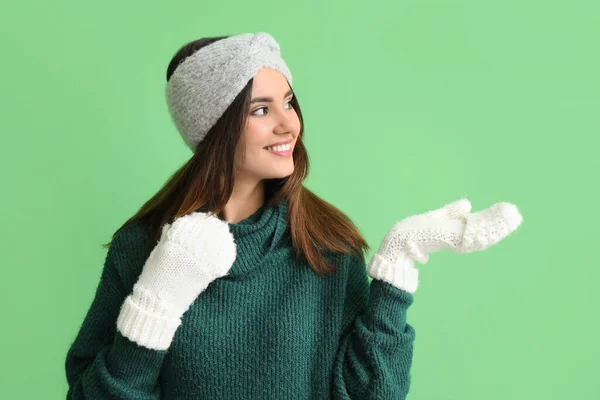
(206, 83)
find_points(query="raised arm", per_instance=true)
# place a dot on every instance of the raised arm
(120, 348)
(375, 354)
(102, 363)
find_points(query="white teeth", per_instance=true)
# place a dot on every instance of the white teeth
(284, 147)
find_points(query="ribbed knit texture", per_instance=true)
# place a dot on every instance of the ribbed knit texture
(271, 329)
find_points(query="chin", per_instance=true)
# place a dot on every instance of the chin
(279, 174)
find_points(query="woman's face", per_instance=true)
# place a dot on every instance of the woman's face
(271, 119)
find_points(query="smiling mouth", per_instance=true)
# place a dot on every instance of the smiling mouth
(284, 153)
(281, 147)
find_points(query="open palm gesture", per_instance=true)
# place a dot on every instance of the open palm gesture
(449, 227)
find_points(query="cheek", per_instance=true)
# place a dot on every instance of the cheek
(254, 141)
(298, 124)
(255, 138)
(256, 134)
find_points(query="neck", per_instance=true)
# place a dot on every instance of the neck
(246, 198)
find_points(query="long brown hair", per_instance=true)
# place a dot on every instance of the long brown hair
(314, 225)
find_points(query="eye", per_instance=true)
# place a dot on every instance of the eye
(265, 108)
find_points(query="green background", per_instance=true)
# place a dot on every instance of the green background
(408, 106)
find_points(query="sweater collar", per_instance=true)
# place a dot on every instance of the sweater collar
(257, 235)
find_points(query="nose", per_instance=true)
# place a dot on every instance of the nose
(287, 123)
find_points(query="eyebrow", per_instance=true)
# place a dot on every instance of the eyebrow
(269, 99)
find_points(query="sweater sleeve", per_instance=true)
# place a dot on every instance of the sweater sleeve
(101, 363)
(375, 353)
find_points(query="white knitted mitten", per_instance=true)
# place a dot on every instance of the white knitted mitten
(451, 226)
(192, 252)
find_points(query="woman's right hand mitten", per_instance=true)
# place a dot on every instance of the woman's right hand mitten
(192, 252)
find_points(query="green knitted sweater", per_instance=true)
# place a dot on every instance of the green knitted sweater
(271, 329)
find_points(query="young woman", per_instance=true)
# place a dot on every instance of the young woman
(235, 281)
